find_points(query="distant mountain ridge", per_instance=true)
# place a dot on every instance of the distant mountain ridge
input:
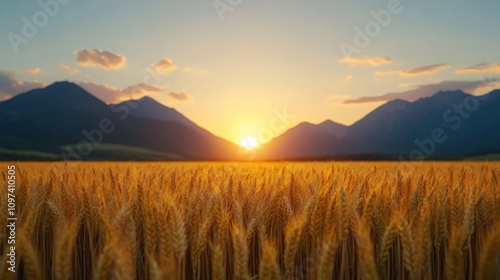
(60, 96)
(147, 107)
(62, 115)
(468, 125)
(306, 140)
(54, 121)
(398, 126)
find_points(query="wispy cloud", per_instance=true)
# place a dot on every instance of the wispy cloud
(408, 85)
(348, 79)
(481, 68)
(179, 96)
(416, 71)
(366, 60)
(194, 70)
(69, 70)
(34, 71)
(164, 65)
(99, 58)
(10, 86)
(339, 98)
(426, 90)
(110, 94)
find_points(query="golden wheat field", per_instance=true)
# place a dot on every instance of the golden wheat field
(255, 221)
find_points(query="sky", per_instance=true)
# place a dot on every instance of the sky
(252, 68)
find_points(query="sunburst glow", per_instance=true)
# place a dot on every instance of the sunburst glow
(249, 143)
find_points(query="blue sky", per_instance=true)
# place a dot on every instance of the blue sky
(234, 69)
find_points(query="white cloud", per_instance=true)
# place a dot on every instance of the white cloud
(34, 71)
(481, 68)
(366, 60)
(164, 65)
(426, 90)
(416, 71)
(69, 70)
(179, 96)
(99, 58)
(348, 79)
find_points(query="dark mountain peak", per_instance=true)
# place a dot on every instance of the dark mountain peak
(68, 92)
(330, 123)
(54, 102)
(383, 114)
(327, 122)
(326, 126)
(301, 128)
(456, 91)
(494, 94)
(333, 128)
(66, 88)
(396, 103)
(153, 103)
(446, 98)
(309, 131)
(63, 85)
(449, 94)
(59, 95)
(152, 109)
(305, 124)
(391, 106)
(148, 99)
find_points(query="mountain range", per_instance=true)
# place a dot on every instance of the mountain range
(63, 121)
(448, 124)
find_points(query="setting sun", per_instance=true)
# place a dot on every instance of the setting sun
(249, 143)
